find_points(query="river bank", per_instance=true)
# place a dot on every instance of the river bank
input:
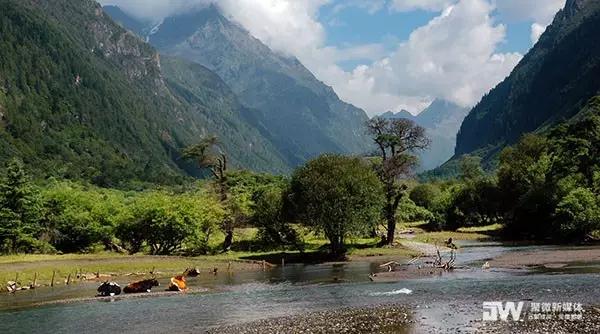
(386, 319)
(303, 296)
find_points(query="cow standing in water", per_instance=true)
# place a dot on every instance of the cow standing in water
(141, 286)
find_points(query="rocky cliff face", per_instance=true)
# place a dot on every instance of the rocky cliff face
(551, 84)
(298, 113)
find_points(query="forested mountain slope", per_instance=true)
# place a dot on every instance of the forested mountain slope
(81, 97)
(552, 83)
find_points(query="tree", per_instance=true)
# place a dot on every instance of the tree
(527, 195)
(470, 168)
(397, 140)
(425, 195)
(578, 214)
(269, 216)
(19, 210)
(339, 196)
(209, 155)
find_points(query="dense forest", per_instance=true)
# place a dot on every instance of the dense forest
(82, 98)
(545, 188)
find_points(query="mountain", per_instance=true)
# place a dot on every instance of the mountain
(80, 97)
(299, 114)
(441, 120)
(551, 84)
(401, 114)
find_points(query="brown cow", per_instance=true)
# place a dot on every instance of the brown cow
(178, 283)
(141, 286)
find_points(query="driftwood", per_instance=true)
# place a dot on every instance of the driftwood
(397, 271)
(409, 273)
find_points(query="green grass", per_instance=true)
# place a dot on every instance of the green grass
(481, 229)
(26, 266)
(465, 233)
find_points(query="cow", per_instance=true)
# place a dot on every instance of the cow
(178, 283)
(109, 289)
(191, 272)
(141, 286)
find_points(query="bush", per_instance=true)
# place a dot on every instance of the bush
(76, 217)
(578, 214)
(409, 212)
(167, 222)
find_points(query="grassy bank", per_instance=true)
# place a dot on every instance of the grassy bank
(26, 267)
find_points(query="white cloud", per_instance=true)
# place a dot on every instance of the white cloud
(430, 5)
(452, 57)
(540, 11)
(536, 32)
(155, 9)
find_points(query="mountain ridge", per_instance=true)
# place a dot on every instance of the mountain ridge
(302, 116)
(552, 83)
(83, 98)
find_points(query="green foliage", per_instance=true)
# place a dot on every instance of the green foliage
(474, 203)
(167, 222)
(424, 195)
(550, 184)
(19, 211)
(578, 213)
(269, 216)
(409, 211)
(77, 217)
(338, 196)
(552, 82)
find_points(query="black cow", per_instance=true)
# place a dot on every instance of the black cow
(109, 289)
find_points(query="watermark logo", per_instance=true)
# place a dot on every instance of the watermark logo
(494, 311)
(505, 311)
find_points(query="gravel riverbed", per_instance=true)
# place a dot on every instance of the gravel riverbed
(380, 319)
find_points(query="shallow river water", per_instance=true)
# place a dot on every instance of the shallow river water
(441, 303)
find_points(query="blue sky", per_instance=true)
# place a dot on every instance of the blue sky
(352, 26)
(385, 55)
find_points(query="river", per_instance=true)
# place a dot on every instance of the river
(442, 304)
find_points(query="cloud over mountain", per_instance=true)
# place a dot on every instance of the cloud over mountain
(443, 59)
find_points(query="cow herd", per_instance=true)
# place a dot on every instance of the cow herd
(177, 283)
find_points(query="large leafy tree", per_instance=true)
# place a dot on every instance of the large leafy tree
(397, 140)
(338, 196)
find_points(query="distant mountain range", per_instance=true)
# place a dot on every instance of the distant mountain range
(552, 83)
(299, 114)
(81, 97)
(441, 120)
